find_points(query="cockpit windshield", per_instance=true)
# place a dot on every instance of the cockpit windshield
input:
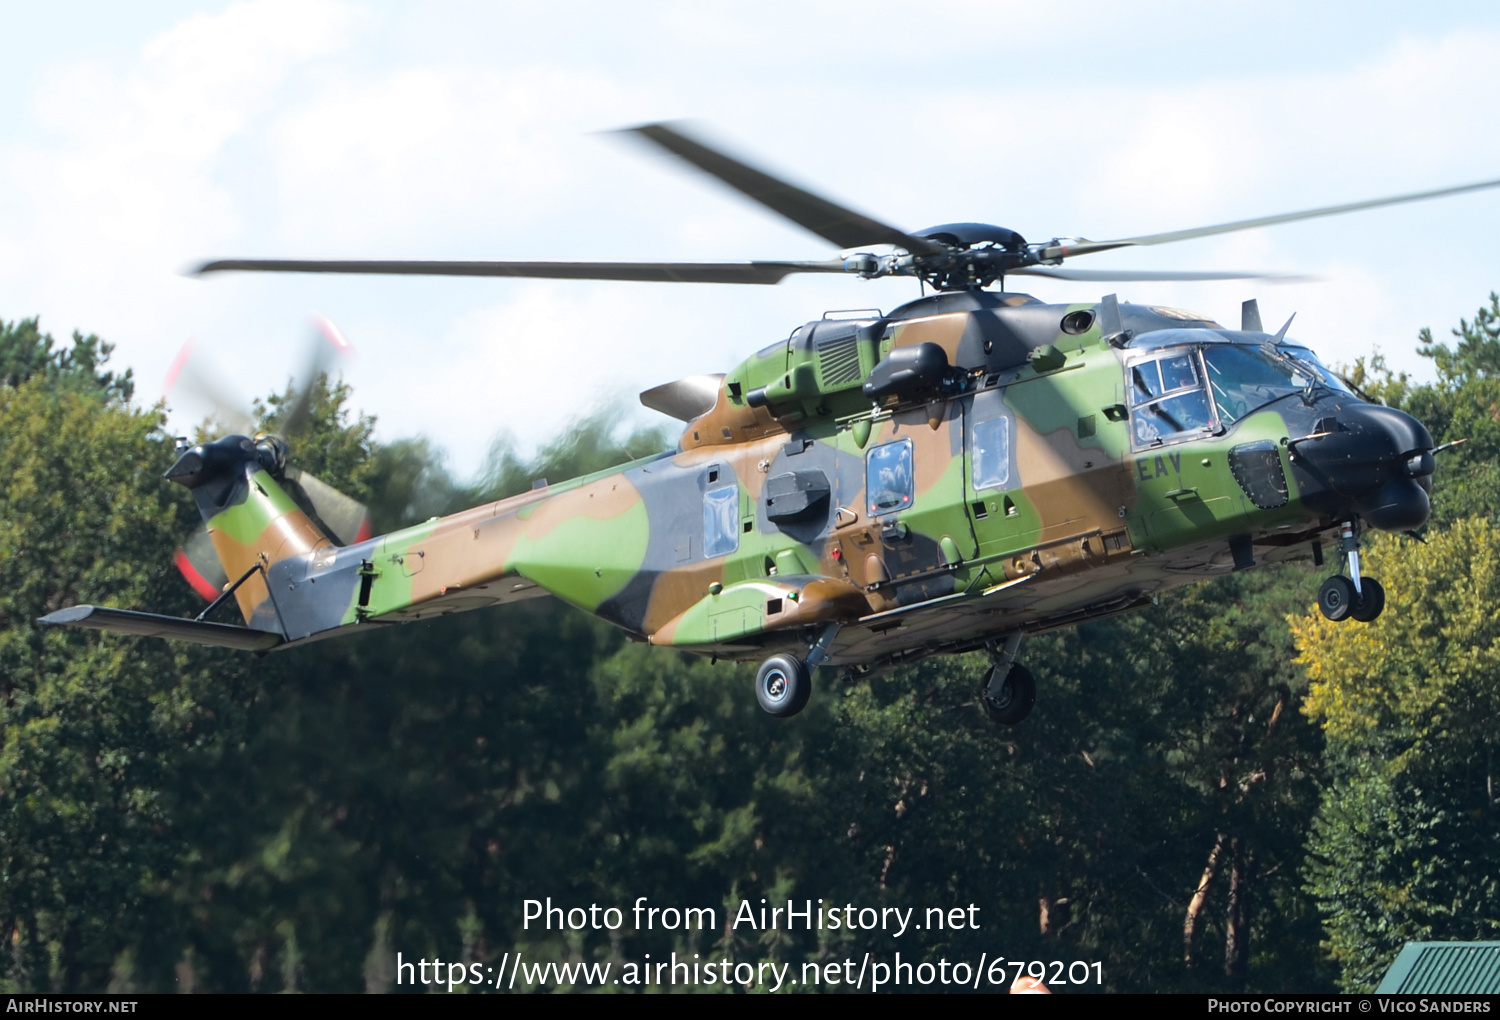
(1170, 388)
(1245, 378)
(1310, 360)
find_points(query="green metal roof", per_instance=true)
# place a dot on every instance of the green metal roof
(1444, 968)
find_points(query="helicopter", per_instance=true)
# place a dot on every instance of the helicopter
(971, 468)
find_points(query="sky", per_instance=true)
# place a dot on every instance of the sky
(138, 140)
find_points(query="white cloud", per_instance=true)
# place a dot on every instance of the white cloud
(104, 213)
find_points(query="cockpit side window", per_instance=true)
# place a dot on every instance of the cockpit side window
(1168, 398)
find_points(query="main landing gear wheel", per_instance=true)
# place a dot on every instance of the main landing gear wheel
(1011, 699)
(783, 685)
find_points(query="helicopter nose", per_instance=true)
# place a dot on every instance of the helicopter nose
(1377, 459)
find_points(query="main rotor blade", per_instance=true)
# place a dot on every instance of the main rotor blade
(844, 227)
(660, 272)
(1143, 275)
(1307, 214)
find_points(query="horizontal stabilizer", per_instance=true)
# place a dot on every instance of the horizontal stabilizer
(125, 621)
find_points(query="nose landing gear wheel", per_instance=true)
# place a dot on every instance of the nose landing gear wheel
(1371, 601)
(1336, 598)
(783, 685)
(1010, 700)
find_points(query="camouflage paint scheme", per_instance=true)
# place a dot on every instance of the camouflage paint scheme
(1076, 518)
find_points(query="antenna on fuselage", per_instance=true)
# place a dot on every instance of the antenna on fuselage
(1111, 325)
(1250, 317)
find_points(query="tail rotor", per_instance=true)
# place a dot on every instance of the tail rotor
(343, 519)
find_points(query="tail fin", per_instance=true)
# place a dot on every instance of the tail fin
(250, 519)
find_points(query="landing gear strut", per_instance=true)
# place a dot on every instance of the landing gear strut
(1352, 597)
(1009, 690)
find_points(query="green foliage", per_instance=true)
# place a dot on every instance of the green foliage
(408, 484)
(171, 815)
(326, 438)
(1407, 842)
(25, 351)
(316, 811)
(1476, 355)
(591, 444)
(1463, 405)
(93, 730)
(1084, 831)
(1373, 378)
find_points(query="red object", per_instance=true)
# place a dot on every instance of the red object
(200, 584)
(176, 369)
(335, 336)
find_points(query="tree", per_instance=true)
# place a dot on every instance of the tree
(1461, 406)
(1152, 805)
(328, 439)
(293, 821)
(90, 725)
(1406, 845)
(26, 351)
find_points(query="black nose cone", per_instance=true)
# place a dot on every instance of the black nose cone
(207, 462)
(1377, 460)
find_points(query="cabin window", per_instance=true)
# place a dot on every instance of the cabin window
(989, 453)
(1168, 399)
(721, 521)
(888, 478)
